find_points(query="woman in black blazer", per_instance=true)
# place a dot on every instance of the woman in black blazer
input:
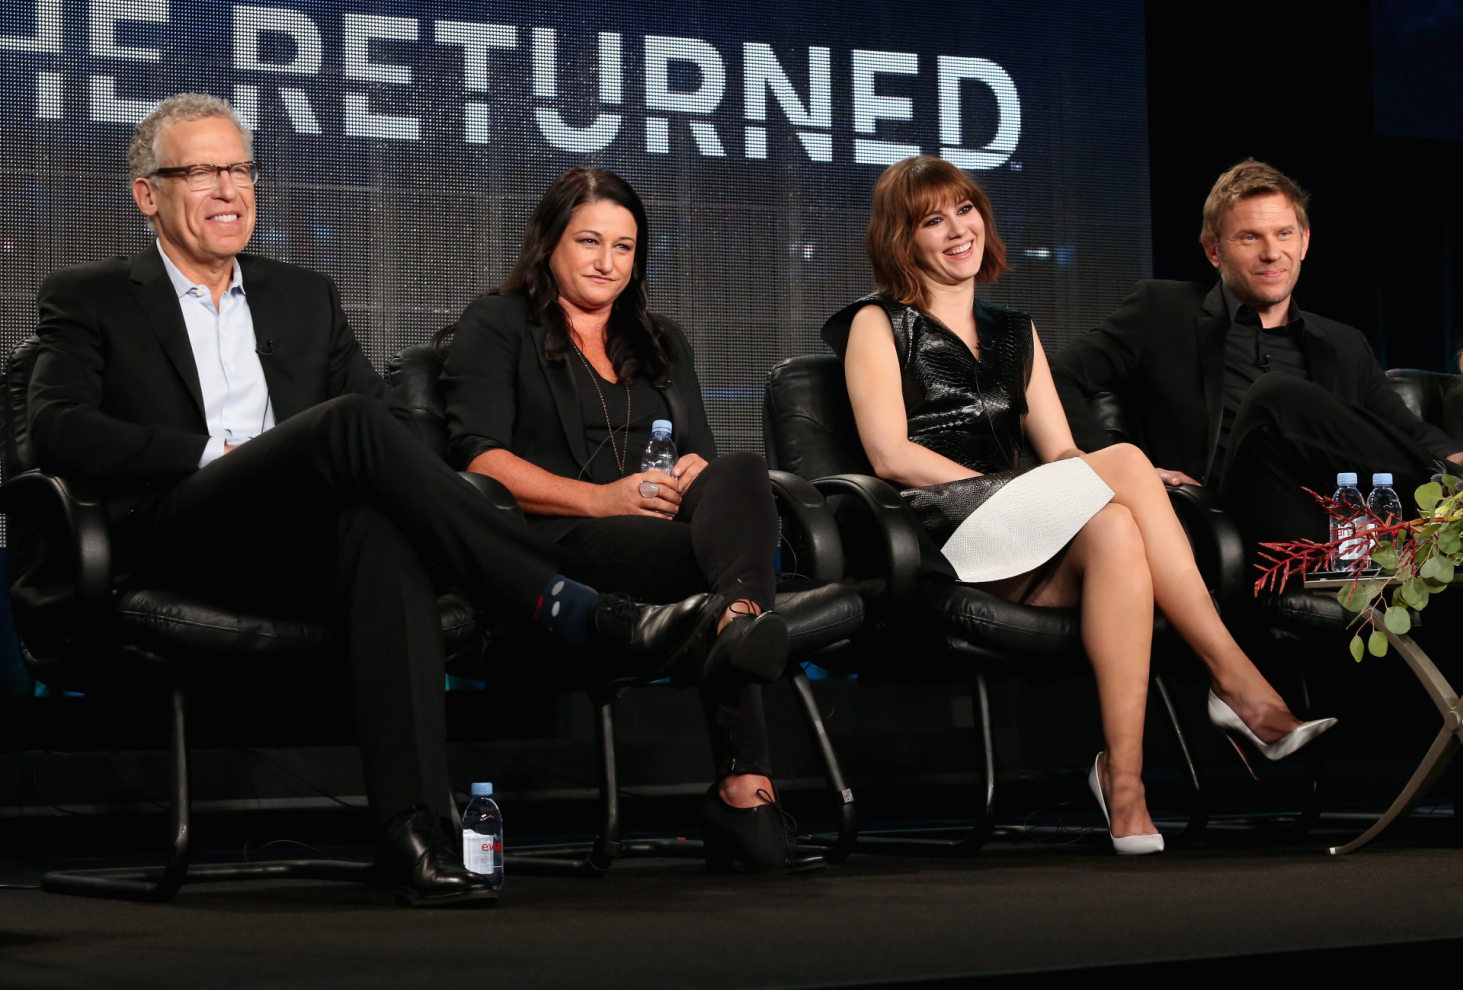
(552, 383)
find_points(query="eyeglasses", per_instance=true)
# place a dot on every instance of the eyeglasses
(202, 177)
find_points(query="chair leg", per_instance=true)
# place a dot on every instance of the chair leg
(149, 884)
(984, 818)
(980, 701)
(594, 859)
(1314, 801)
(607, 844)
(1198, 821)
(161, 883)
(832, 772)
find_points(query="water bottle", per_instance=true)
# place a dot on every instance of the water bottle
(660, 452)
(482, 835)
(1349, 502)
(1383, 501)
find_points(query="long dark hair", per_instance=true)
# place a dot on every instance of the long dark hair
(632, 342)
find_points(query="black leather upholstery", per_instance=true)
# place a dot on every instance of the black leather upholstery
(1423, 391)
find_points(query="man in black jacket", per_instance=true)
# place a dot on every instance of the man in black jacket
(160, 380)
(1238, 389)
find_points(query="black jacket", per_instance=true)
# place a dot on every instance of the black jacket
(115, 397)
(1162, 351)
(501, 393)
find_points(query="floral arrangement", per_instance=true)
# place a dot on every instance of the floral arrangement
(1411, 560)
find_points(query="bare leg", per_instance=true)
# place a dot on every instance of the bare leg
(1106, 572)
(1180, 592)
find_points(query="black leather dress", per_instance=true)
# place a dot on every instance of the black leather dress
(967, 409)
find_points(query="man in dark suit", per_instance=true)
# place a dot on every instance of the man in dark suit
(161, 379)
(1238, 389)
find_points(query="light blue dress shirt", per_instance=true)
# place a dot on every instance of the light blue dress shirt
(236, 402)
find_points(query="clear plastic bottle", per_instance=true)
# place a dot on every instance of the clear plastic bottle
(1383, 501)
(482, 835)
(1343, 529)
(660, 452)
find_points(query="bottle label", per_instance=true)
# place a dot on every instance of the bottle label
(481, 853)
(1351, 548)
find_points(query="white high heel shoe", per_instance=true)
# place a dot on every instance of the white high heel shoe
(1123, 845)
(1229, 723)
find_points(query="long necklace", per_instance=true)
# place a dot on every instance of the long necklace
(621, 454)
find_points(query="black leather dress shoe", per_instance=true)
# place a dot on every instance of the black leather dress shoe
(664, 632)
(421, 860)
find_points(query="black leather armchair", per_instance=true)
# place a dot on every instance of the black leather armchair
(960, 634)
(80, 631)
(821, 613)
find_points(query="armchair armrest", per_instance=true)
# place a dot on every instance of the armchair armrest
(1219, 550)
(887, 523)
(494, 491)
(802, 503)
(69, 521)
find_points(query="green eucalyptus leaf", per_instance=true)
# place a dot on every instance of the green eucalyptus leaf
(1357, 648)
(1384, 555)
(1397, 620)
(1414, 592)
(1376, 643)
(1438, 570)
(1353, 597)
(1428, 495)
(1449, 543)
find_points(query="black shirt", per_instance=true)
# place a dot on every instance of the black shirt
(1251, 352)
(603, 407)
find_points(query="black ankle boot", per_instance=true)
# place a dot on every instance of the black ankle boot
(761, 839)
(750, 647)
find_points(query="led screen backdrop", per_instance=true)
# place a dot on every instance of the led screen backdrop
(404, 144)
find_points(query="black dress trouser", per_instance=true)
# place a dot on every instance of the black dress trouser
(1290, 434)
(340, 509)
(723, 539)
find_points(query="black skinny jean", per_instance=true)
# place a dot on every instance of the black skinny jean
(723, 540)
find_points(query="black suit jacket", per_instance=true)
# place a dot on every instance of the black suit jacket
(501, 393)
(1162, 351)
(115, 397)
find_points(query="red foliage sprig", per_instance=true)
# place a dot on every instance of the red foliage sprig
(1298, 558)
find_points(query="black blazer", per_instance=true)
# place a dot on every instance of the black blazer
(501, 393)
(115, 398)
(1162, 352)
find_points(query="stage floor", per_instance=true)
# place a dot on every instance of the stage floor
(1246, 902)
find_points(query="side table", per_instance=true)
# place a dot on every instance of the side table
(1444, 746)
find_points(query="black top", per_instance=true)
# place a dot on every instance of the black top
(1252, 351)
(599, 399)
(965, 408)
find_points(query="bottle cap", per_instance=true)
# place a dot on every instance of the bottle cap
(660, 426)
(1345, 478)
(1381, 478)
(482, 789)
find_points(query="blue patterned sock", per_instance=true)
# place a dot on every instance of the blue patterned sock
(565, 609)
